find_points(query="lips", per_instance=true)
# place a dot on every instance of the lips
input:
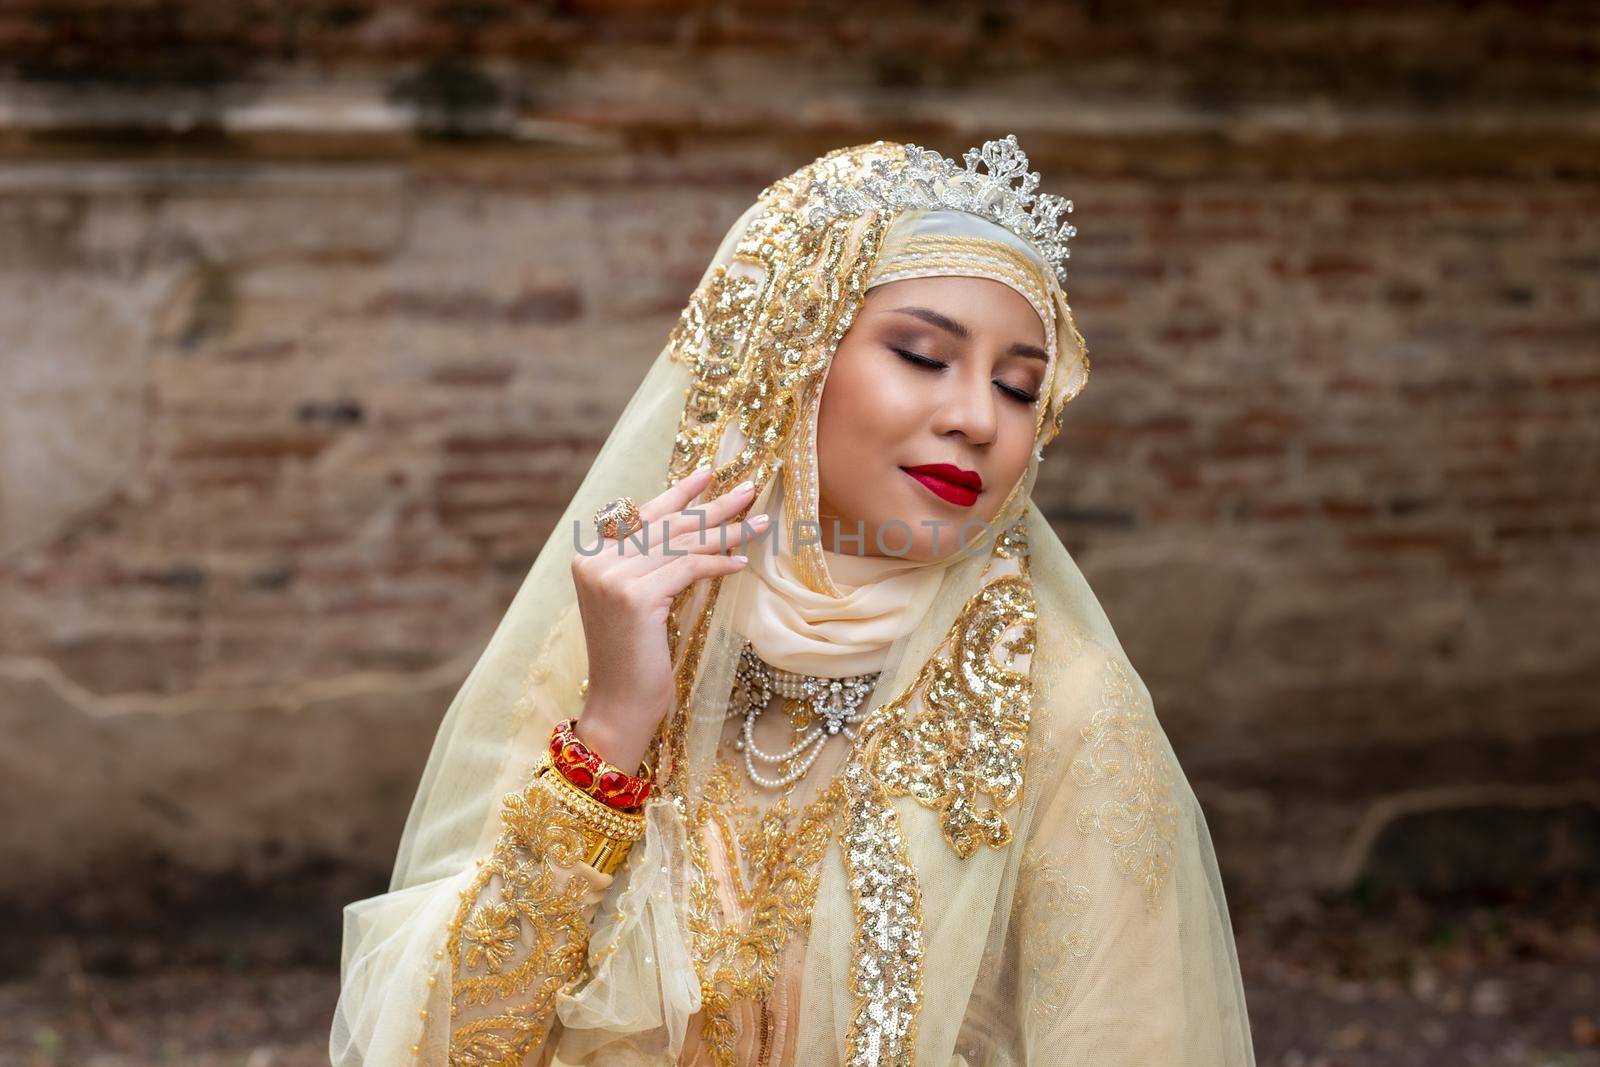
(948, 483)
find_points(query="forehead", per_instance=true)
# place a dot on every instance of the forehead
(986, 307)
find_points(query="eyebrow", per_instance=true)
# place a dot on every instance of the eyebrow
(960, 330)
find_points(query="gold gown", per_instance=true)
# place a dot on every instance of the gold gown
(764, 1027)
(766, 1033)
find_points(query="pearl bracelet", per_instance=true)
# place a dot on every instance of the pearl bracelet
(594, 815)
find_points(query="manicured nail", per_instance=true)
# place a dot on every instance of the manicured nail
(742, 559)
(761, 520)
(744, 485)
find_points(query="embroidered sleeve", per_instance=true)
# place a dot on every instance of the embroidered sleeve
(521, 934)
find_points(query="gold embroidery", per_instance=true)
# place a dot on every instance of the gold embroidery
(1052, 910)
(776, 872)
(802, 488)
(673, 736)
(1140, 822)
(1012, 543)
(886, 967)
(710, 338)
(971, 737)
(489, 962)
(754, 348)
(755, 345)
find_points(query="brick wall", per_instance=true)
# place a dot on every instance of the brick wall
(313, 318)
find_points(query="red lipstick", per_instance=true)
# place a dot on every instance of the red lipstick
(948, 483)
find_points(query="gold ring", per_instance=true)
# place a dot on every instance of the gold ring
(618, 518)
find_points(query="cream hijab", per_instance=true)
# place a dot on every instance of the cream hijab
(847, 630)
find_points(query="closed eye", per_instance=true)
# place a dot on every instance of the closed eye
(917, 360)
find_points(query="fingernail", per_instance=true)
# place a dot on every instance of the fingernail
(742, 486)
(742, 559)
(760, 520)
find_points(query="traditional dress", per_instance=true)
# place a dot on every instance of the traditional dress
(999, 862)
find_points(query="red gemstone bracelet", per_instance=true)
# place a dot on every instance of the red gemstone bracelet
(584, 768)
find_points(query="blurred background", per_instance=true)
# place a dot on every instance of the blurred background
(314, 313)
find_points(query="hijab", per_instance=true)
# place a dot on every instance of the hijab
(844, 624)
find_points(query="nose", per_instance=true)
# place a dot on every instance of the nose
(968, 407)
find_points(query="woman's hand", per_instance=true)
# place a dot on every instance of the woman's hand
(624, 593)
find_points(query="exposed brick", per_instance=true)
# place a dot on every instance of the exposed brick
(257, 446)
(1344, 411)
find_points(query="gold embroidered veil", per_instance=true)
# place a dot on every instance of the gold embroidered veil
(1008, 865)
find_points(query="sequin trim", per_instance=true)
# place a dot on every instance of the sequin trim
(970, 738)
(886, 966)
(755, 345)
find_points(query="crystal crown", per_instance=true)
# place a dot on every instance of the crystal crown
(1002, 191)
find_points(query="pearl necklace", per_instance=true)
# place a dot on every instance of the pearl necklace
(831, 705)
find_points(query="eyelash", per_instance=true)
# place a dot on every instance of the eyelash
(918, 360)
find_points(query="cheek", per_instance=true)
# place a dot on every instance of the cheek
(858, 432)
(1010, 460)
(838, 428)
(859, 406)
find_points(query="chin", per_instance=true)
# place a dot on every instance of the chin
(917, 542)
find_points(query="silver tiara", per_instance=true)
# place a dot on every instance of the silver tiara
(1002, 192)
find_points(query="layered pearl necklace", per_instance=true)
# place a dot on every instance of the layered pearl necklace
(821, 706)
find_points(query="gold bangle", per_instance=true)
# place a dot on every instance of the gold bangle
(610, 821)
(602, 849)
(607, 854)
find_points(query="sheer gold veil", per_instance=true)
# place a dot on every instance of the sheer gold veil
(1007, 867)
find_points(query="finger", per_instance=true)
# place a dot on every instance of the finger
(649, 540)
(652, 531)
(635, 562)
(721, 537)
(718, 509)
(676, 496)
(656, 530)
(680, 572)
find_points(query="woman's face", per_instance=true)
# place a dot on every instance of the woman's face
(933, 372)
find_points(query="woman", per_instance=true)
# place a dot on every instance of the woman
(904, 800)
